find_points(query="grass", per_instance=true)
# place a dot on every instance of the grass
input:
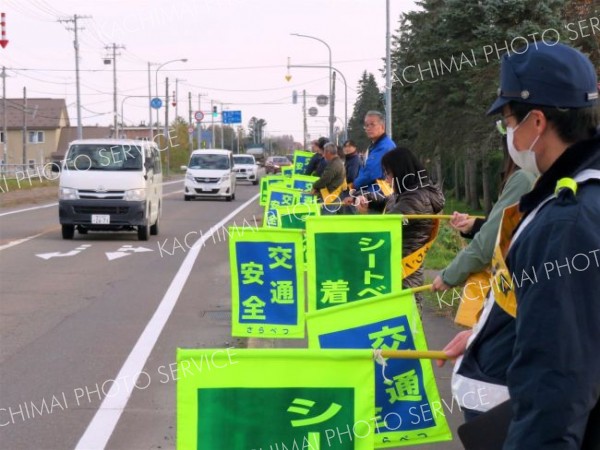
(10, 185)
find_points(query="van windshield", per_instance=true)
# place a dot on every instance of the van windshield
(104, 157)
(209, 161)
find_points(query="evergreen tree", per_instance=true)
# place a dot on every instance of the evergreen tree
(369, 98)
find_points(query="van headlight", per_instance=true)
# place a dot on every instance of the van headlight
(65, 193)
(135, 195)
(224, 178)
(190, 177)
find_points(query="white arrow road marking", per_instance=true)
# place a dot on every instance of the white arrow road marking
(47, 256)
(123, 251)
(115, 255)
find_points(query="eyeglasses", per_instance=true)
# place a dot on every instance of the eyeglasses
(502, 124)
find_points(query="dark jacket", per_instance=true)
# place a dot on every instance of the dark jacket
(314, 161)
(372, 170)
(554, 375)
(415, 233)
(548, 355)
(333, 175)
(321, 167)
(353, 165)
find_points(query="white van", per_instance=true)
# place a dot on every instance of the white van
(210, 174)
(110, 184)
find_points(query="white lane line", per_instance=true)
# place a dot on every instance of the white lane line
(33, 208)
(19, 241)
(105, 420)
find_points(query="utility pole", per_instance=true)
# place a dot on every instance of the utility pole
(150, 126)
(114, 48)
(168, 140)
(190, 135)
(304, 116)
(335, 141)
(222, 129)
(76, 46)
(212, 116)
(24, 126)
(177, 80)
(388, 73)
(5, 120)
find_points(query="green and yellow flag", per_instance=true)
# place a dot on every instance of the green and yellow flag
(265, 184)
(352, 258)
(267, 283)
(407, 402)
(295, 216)
(301, 159)
(278, 196)
(265, 399)
(303, 182)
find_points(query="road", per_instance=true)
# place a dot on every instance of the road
(76, 315)
(72, 311)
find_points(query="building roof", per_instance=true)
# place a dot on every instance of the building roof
(42, 113)
(69, 134)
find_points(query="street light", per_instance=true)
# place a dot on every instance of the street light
(288, 77)
(156, 82)
(331, 118)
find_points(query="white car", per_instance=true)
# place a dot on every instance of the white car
(210, 174)
(245, 168)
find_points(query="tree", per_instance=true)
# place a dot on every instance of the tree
(369, 98)
(446, 66)
(255, 130)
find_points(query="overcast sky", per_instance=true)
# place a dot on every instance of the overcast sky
(237, 53)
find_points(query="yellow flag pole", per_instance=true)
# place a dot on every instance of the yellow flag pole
(414, 354)
(426, 287)
(415, 216)
(435, 216)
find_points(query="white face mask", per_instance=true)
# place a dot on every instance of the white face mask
(525, 159)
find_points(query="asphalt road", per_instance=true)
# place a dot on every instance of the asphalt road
(72, 311)
(76, 315)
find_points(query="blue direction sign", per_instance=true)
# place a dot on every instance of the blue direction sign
(231, 116)
(156, 103)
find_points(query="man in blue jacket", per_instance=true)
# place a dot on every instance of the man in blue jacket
(540, 331)
(380, 145)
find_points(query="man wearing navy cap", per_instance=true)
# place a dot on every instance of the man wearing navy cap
(538, 338)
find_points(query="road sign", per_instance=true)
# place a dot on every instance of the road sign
(191, 129)
(312, 111)
(231, 116)
(322, 100)
(198, 115)
(156, 103)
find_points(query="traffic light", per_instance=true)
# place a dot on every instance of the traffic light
(215, 113)
(294, 97)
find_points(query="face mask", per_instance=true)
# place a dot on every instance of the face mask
(525, 159)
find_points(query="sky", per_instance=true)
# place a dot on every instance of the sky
(237, 52)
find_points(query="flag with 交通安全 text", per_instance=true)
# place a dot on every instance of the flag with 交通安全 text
(407, 402)
(267, 282)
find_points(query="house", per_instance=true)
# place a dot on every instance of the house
(43, 119)
(69, 134)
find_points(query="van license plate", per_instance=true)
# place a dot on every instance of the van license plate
(101, 219)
